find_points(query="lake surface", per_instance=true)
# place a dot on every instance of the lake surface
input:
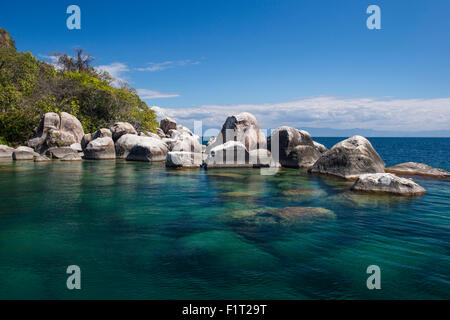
(141, 231)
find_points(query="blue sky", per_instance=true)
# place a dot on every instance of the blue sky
(313, 61)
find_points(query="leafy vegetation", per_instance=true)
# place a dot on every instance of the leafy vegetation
(29, 88)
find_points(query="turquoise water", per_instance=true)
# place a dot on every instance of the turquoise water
(141, 231)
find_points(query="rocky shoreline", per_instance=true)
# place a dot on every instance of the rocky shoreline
(240, 144)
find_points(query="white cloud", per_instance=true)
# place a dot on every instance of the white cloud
(153, 94)
(116, 70)
(330, 112)
(52, 59)
(158, 66)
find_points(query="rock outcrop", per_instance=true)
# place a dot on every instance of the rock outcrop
(103, 132)
(387, 183)
(85, 140)
(418, 169)
(160, 133)
(187, 143)
(349, 159)
(56, 131)
(71, 157)
(150, 134)
(141, 148)
(24, 153)
(241, 128)
(181, 159)
(100, 149)
(320, 147)
(76, 147)
(5, 151)
(121, 128)
(287, 138)
(59, 153)
(167, 124)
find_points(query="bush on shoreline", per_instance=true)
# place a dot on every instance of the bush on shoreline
(29, 88)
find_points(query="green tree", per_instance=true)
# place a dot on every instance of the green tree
(29, 88)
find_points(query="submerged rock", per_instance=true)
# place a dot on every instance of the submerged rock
(304, 193)
(136, 148)
(5, 151)
(243, 128)
(387, 183)
(418, 169)
(121, 128)
(349, 159)
(181, 159)
(293, 214)
(100, 149)
(280, 216)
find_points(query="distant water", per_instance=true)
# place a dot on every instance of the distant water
(139, 230)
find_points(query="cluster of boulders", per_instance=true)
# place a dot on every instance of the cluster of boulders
(239, 144)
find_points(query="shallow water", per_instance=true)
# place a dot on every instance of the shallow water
(139, 230)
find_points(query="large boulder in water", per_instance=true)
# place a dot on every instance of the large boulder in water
(287, 138)
(349, 159)
(100, 149)
(181, 159)
(141, 148)
(121, 128)
(242, 128)
(302, 157)
(57, 131)
(418, 169)
(232, 154)
(387, 183)
(5, 151)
